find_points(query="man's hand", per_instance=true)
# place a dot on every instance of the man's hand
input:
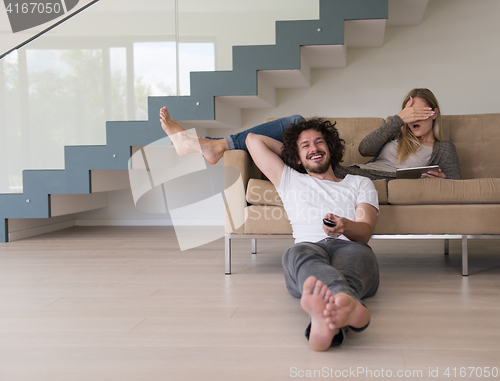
(361, 229)
(338, 229)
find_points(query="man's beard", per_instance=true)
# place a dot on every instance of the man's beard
(322, 168)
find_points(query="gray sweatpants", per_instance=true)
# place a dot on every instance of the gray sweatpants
(344, 266)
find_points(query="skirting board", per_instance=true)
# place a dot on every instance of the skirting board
(49, 227)
(146, 222)
(38, 230)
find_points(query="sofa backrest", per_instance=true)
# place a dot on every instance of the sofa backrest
(475, 136)
(353, 130)
(477, 139)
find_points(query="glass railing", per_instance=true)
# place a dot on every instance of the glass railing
(103, 63)
(29, 20)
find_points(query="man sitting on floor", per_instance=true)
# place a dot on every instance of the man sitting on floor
(330, 268)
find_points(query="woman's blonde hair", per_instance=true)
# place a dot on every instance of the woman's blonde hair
(408, 143)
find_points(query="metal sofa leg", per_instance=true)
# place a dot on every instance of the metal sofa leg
(446, 246)
(227, 240)
(254, 245)
(465, 262)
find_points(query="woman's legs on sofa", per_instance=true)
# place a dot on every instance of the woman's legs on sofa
(274, 129)
(186, 143)
(213, 148)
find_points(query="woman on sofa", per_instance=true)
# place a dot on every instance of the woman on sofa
(411, 138)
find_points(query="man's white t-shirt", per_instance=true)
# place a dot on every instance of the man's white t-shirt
(307, 200)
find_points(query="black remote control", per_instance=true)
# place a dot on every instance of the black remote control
(329, 223)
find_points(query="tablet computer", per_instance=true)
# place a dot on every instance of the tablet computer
(415, 172)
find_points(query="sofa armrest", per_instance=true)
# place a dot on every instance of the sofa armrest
(242, 161)
(239, 168)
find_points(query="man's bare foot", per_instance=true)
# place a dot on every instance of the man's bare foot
(343, 310)
(315, 296)
(186, 142)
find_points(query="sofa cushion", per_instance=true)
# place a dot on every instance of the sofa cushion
(262, 192)
(266, 220)
(436, 191)
(439, 219)
(381, 187)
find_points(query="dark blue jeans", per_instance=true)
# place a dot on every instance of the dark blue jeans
(273, 129)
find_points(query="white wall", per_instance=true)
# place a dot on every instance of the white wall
(454, 52)
(123, 48)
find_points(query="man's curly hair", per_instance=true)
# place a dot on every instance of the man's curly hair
(290, 153)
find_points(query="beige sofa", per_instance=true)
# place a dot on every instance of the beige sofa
(423, 209)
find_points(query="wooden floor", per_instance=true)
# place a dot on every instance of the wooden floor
(125, 304)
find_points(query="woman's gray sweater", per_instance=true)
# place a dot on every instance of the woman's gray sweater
(443, 154)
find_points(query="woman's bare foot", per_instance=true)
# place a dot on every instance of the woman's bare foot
(315, 296)
(213, 150)
(343, 310)
(186, 142)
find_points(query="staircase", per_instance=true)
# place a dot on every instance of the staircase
(216, 99)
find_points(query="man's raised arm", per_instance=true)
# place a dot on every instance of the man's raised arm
(266, 154)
